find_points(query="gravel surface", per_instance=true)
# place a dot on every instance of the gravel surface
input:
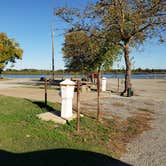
(150, 148)
(122, 107)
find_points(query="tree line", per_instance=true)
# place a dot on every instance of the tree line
(66, 71)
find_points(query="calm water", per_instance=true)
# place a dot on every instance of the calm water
(137, 76)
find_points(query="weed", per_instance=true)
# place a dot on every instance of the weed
(146, 110)
(118, 104)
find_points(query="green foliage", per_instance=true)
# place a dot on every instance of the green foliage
(77, 51)
(82, 52)
(131, 21)
(9, 51)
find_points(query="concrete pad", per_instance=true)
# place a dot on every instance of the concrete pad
(51, 116)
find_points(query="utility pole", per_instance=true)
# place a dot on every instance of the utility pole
(52, 36)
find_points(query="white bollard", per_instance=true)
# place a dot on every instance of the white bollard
(67, 92)
(103, 84)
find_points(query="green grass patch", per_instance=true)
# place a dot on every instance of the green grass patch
(22, 131)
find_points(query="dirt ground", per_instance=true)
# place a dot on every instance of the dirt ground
(143, 88)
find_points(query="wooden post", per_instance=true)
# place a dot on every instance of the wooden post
(45, 87)
(118, 84)
(78, 106)
(98, 98)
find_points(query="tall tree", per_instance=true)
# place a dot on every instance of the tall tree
(124, 23)
(130, 23)
(9, 51)
(82, 52)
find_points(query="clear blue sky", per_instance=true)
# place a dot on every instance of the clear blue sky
(29, 22)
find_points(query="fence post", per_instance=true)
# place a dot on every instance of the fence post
(78, 106)
(45, 87)
(98, 99)
(118, 84)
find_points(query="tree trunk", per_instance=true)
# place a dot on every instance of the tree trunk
(1, 73)
(78, 106)
(128, 69)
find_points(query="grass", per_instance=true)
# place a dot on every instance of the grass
(147, 103)
(145, 110)
(118, 104)
(22, 131)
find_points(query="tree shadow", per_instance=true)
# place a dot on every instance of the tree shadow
(59, 157)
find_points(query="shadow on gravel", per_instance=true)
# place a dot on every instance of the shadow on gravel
(59, 157)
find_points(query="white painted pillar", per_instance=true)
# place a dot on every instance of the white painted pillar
(67, 92)
(103, 84)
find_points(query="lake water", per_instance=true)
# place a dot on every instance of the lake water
(137, 76)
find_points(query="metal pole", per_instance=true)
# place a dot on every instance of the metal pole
(52, 35)
(78, 106)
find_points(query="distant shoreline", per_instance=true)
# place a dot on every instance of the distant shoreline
(66, 72)
(71, 73)
(108, 76)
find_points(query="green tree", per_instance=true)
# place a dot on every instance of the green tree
(9, 51)
(77, 51)
(124, 23)
(131, 23)
(82, 52)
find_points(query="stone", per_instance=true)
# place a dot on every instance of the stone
(51, 116)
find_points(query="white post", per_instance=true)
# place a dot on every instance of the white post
(103, 84)
(67, 92)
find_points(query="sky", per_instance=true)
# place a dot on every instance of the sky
(29, 22)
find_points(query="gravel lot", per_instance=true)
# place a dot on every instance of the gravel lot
(150, 148)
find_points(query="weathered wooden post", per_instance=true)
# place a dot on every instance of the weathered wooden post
(98, 99)
(78, 106)
(45, 87)
(118, 84)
